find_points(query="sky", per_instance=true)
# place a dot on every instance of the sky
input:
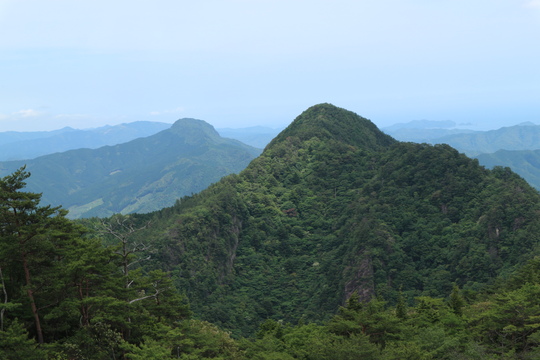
(241, 63)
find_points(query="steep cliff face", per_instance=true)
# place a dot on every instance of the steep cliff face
(334, 206)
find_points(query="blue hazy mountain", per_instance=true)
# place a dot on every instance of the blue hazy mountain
(28, 145)
(257, 136)
(141, 175)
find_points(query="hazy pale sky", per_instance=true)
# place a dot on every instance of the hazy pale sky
(238, 63)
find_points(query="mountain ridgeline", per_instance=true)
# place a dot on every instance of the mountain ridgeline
(514, 146)
(332, 207)
(28, 145)
(518, 137)
(142, 175)
(337, 242)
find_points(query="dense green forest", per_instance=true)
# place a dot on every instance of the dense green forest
(338, 242)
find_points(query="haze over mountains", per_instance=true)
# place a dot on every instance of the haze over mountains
(141, 175)
(28, 145)
(510, 146)
(257, 136)
(524, 136)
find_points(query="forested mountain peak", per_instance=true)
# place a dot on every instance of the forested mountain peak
(334, 207)
(329, 122)
(188, 128)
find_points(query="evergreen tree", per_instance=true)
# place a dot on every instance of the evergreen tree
(15, 344)
(456, 301)
(401, 307)
(33, 239)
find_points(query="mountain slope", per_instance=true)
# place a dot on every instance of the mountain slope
(518, 137)
(525, 162)
(21, 145)
(334, 206)
(515, 146)
(142, 175)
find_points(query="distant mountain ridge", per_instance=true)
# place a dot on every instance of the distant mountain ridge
(429, 136)
(257, 136)
(29, 145)
(423, 131)
(517, 137)
(524, 162)
(7, 137)
(422, 124)
(141, 175)
(524, 136)
(517, 147)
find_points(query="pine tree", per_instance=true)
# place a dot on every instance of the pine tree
(401, 307)
(456, 301)
(32, 241)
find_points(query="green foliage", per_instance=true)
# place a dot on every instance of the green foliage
(68, 291)
(401, 308)
(191, 339)
(310, 342)
(327, 122)
(456, 301)
(510, 321)
(16, 345)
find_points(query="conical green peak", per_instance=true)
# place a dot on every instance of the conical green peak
(329, 122)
